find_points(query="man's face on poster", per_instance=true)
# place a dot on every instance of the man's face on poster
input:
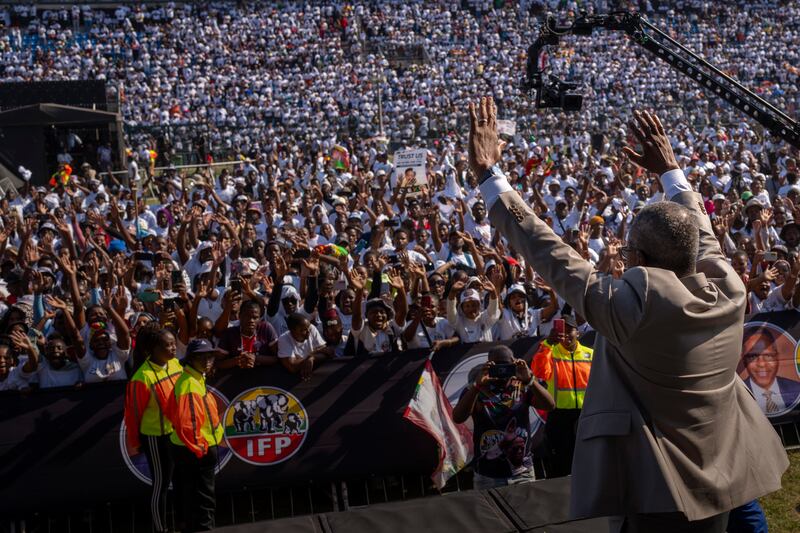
(761, 359)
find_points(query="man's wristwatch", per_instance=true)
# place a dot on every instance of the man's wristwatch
(494, 170)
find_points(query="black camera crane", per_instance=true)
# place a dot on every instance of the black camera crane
(554, 93)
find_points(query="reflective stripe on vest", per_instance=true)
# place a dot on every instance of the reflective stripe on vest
(161, 382)
(570, 376)
(192, 382)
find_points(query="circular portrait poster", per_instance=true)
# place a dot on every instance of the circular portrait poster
(770, 367)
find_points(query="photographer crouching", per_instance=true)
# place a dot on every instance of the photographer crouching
(498, 402)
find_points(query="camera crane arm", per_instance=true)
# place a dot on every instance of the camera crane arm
(555, 93)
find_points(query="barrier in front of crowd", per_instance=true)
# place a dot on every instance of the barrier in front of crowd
(67, 446)
(290, 447)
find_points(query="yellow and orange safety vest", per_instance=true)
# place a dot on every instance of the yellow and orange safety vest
(193, 413)
(146, 398)
(566, 373)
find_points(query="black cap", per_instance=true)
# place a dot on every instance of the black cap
(570, 321)
(200, 347)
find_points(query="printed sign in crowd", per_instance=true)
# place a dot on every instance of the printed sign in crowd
(409, 168)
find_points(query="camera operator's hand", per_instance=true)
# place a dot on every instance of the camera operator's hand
(483, 379)
(657, 155)
(524, 373)
(484, 147)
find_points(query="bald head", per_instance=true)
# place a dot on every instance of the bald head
(666, 234)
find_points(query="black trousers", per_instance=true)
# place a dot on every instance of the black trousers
(158, 451)
(560, 431)
(194, 488)
(668, 523)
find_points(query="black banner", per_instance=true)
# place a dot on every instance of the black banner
(79, 93)
(66, 447)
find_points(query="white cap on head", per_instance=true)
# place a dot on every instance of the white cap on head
(470, 295)
(517, 287)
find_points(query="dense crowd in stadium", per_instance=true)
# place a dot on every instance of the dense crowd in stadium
(313, 245)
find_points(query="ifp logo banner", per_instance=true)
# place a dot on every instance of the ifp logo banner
(265, 425)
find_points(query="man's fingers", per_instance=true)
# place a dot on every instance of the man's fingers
(492, 114)
(651, 122)
(633, 156)
(638, 133)
(473, 116)
(484, 108)
(660, 127)
(502, 144)
(644, 126)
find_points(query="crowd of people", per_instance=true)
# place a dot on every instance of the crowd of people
(256, 75)
(292, 257)
(290, 237)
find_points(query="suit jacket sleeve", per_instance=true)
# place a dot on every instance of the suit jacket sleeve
(613, 307)
(710, 259)
(708, 244)
(678, 190)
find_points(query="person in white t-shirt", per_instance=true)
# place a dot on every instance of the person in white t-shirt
(301, 348)
(764, 297)
(105, 358)
(596, 227)
(477, 224)
(15, 377)
(54, 369)
(469, 322)
(520, 320)
(425, 329)
(383, 327)
(564, 219)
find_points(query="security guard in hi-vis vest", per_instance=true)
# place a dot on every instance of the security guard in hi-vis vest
(564, 365)
(147, 427)
(198, 433)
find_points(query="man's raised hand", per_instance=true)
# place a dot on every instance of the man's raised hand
(657, 155)
(485, 149)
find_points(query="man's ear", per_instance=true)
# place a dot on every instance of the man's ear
(641, 259)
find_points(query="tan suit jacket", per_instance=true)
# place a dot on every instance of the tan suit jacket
(667, 350)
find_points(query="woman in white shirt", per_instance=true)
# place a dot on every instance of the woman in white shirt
(378, 328)
(469, 322)
(105, 359)
(519, 320)
(15, 377)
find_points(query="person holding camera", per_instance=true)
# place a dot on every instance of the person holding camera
(498, 401)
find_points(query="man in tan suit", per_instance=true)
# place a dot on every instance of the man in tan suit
(670, 439)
